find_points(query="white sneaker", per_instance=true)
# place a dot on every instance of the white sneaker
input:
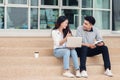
(108, 73)
(78, 75)
(84, 74)
(68, 74)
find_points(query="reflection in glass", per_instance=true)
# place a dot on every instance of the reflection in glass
(17, 18)
(102, 4)
(34, 2)
(34, 18)
(1, 1)
(48, 18)
(87, 3)
(102, 19)
(70, 2)
(49, 2)
(72, 16)
(1, 18)
(17, 1)
(116, 15)
(86, 13)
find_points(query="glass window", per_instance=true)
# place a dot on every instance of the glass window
(34, 18)
(86, 13)
(1, 18)
(1, 1)
(48, 18)
(70, 2)
(102, 19)
(72, 16)
(105, 4)
(34, 2)
(49, 2)
(116, 15)
(17, 18)
(17, 1)
(87, 3)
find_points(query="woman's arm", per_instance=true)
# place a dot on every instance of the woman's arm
(65, 39)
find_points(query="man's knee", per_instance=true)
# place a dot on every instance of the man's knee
(104, 47)
(82, 50)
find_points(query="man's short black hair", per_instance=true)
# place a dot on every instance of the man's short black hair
(91, 19)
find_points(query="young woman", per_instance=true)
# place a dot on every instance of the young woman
(59, 34)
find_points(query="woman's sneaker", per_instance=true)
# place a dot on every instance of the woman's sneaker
(78, 75)
(108, 73)
(68, 74)
(84, 74)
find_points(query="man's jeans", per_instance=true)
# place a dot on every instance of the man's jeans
(84, 51)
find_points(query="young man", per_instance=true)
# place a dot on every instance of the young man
(89, 48)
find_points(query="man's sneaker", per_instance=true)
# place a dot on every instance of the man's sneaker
(78, 75)
(108, 73)
(84, 74)
(68, 74)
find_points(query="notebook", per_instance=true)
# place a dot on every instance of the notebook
(74, 42)
(97, 42)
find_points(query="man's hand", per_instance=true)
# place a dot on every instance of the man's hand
(92, 46)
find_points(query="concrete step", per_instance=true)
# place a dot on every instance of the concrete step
(97, 60)
(30, 61)
(114, 51)
(39, 70)
(46, 41)
(26, 42)
(17, 60)
(25, 51)
(46, 51)
(112, 41)
(6, 39)
(91, 77)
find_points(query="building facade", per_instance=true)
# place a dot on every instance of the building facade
(37, 17)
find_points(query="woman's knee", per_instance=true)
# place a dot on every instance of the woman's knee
(73, 52)
(67, 52)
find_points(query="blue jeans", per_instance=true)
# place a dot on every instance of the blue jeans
(65, 53)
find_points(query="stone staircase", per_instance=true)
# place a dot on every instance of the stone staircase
(17, 60)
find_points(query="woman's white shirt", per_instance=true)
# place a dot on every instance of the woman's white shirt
(57, 37)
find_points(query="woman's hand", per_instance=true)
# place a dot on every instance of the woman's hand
(65, 39)
(68, 34)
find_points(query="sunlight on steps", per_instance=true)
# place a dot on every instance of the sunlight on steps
(17, 60)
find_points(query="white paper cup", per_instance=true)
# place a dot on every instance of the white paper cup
(36, 54)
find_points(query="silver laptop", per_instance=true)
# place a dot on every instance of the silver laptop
(74, 42)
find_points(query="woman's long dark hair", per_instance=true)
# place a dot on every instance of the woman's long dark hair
(58, 23)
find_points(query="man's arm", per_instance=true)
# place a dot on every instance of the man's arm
(92, 46)
(99, 38)
(78, 32)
